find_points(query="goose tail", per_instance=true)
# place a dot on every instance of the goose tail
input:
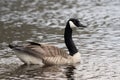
(16, 47)
(11, 46)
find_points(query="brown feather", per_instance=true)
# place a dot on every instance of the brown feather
(44, 50)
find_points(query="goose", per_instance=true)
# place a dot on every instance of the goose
(39, 53)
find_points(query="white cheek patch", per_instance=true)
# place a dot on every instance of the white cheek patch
(72, 25)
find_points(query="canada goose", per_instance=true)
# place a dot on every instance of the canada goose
(37, 53)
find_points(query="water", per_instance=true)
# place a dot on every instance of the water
(44, 21)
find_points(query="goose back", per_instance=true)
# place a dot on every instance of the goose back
(45, 50)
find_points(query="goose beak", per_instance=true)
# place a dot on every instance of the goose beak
(81, 26)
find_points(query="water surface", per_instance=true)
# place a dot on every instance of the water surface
(44, 21)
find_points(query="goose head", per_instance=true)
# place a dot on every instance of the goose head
(75, 23)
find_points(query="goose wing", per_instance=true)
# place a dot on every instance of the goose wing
(42, 50)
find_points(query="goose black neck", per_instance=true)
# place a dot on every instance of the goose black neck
(68, 40)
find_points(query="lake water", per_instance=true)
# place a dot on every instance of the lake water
(44, 21)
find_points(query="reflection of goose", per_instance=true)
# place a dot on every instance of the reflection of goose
(34, 70)
(70, 72)
(34, 53)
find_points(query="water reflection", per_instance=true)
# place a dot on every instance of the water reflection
(44, 21)
(70, 72)
(40, 72)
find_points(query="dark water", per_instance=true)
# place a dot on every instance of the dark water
(44, 21)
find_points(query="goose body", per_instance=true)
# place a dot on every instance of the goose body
(39, 53)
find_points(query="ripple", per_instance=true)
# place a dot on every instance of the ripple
(44, 21)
